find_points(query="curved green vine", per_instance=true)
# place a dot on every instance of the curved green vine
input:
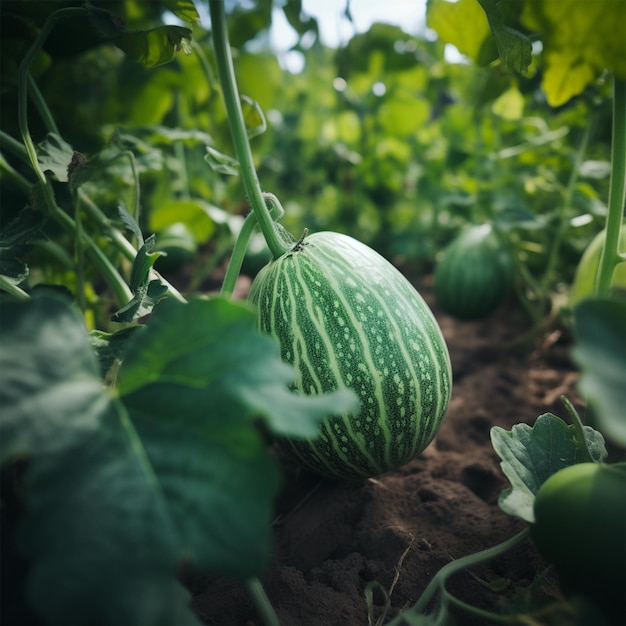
(238, 129)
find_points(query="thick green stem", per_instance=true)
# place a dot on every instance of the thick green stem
(238, 128)
(122, 292)
(238, 254)
(12, 288)
(243, 239)
(22, 183)
(617, 190)
(42, 107)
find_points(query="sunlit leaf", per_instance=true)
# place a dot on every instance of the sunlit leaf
(253, 117)
(154, 47)
(260, 78)
(509, 105)
(514, 48)
(184, 10)
(530, 455)
(580, 40)
(194, 213)
(191, 331)
(464, 25)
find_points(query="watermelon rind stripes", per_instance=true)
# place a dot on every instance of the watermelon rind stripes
(345, 317)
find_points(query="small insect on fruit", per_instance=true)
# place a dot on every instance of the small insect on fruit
(345, 317)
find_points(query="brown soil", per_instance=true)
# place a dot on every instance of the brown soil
(332, 539)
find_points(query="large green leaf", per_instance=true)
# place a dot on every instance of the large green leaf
(184, 10)
(580, 40)
(514, 48)
(600, 326)
(154, 47)
(245, 378)
(202, 376)
(464, 25)
(101, 546)
(530, 455)
(121, 490)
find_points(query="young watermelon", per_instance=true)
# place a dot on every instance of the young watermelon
(345, 317)
(474, 275)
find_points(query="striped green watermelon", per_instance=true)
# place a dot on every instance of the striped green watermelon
(474, 275)
(345, 317)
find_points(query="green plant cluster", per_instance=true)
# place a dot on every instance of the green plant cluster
(135, 410)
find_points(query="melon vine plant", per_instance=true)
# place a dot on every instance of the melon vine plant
(344, 318)
(128, 456)
(582, 55)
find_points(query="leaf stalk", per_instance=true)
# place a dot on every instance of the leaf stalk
(238, 131)
(610, 256)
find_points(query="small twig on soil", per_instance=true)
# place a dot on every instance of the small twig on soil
(282, 518)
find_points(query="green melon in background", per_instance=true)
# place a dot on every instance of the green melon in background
(345, 317)
(585, 276)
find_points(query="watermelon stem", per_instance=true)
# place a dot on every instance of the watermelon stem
(241, 244)
(238, 131)
(617, 190)
(438, 582)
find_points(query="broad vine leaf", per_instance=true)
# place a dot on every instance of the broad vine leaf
(530, 455)
(600, 352)
(101, 546)
(111, 347)
(230, 380)
(514, 48)
(122, 490)
(184, 10)
(16, 239)
(55, 155)
(194, 213)
(202, 376)
(155, 47)
(580, 40)
(464, 25)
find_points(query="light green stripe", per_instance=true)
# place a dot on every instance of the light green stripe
(375, 374)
